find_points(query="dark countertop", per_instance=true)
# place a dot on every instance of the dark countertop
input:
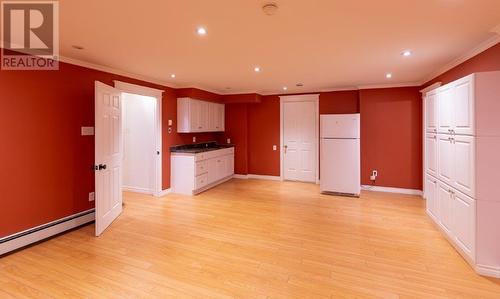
(199, 147)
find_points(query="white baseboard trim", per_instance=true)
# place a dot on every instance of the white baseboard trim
(136, 190)
(163, 192)
(488, 271)
(44, 231)
(392, 190)
(257, 177)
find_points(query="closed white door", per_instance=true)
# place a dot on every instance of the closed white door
(299, 141)
(463, 162)
(431, 188)
(430, 113)
(431, 154)
(445, 203)
(445, 158)
(463, 106)
(464, 221)
(444, 99)
(108, 156)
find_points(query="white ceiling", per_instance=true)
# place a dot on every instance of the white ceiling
(324, 44)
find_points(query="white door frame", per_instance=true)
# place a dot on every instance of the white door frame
(299, 98)
(158, 95)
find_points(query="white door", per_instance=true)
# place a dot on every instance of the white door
(431, 152)
(445, 158)
(430, 113)
(463, 104)
(463, 161)
(299, 141)
(445, 203)
(108, 156)
(463, 222)
(444, 100)
(430, 196)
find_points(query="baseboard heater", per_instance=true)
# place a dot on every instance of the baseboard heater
(44, 231)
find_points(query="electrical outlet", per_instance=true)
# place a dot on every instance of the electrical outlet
(275, 148)
(228, 140)
(91, 196)
(374, 175)
(194, 138)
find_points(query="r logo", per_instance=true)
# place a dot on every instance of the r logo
(29, 28)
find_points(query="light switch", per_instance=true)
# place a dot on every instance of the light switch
(275, 147)
(228, 140)
(169, 122)
(91, 196)
(194, 138)
(87, 131)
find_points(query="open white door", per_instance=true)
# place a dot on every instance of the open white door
(108, 156)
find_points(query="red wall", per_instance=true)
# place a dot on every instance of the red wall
(236, 123)
(486, 61)
(46, 163)
(391, 137)
(339, 102)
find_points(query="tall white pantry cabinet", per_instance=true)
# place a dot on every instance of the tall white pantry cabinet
(462, 166)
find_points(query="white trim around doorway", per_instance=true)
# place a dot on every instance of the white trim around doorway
(158, 94)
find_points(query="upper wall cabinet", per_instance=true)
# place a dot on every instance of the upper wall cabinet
(199, 116)
(455, 107)
(431, 113)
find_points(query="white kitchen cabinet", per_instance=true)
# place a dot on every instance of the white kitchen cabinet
(445, 203)
(444, 99)
(463, 106)
(463, 199)
(431, 154)
(194, 173)
(464, 213)
(455, 106)
(445, 158)
(431, 196)
(431, 113)
(463, 177)
(199, 116)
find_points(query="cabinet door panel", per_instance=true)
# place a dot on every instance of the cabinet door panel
(445, 158)
(445, 110)
(203, 115)
(194, 114)
(431, 194)
(463, 104)
(463, 161)
(445, 206)
(464, 222)
(220, 168)
(212, 170)
(431, 154)
(229, 165)
(431, 113)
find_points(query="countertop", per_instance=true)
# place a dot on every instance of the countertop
(199, 147)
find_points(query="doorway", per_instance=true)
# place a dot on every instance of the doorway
(142, 147)
(299, 125)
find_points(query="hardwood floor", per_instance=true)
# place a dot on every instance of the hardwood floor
(251, 239)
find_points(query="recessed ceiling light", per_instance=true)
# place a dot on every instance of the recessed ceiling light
(201, 31)
(172, 76)
(257, 69)
(388, 76)
(406, 53)
(77, 47)
(285, 88)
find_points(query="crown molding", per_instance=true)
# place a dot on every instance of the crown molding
(490, 42)
(390, 85)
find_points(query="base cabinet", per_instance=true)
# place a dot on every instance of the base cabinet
(195, 173)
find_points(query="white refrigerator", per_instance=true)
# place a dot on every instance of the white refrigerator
(340, 154)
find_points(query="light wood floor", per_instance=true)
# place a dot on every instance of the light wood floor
(251, 239)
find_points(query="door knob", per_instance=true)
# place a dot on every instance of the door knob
(101, 166)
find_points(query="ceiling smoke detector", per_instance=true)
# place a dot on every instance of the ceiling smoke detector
(270, 8)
